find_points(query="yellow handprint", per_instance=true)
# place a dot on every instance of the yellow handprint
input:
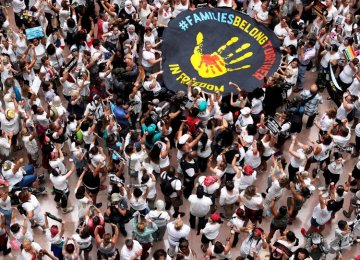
(214, 65)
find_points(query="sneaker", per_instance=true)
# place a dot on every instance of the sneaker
(68, 209)
(303, 232)
(346, 214)
(322, 188)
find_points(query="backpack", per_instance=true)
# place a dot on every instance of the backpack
(166, 187)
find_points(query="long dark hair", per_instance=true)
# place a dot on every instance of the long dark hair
(203, 140)
(154, 154)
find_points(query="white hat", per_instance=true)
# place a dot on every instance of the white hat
(245, 111)
(56, 102)
(160, 205)
(183, 139)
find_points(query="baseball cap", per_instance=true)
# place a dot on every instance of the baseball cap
(248, 170)
(215, 217)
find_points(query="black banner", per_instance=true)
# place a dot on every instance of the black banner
(217, 46)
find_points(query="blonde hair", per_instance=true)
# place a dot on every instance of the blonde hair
(178, 224)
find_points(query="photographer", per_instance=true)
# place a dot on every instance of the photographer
(306, 52)
(117, 212)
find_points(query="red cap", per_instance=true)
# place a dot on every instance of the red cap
(248, 170)
(256, 230)
(54, 230)
(215, 217)
(3, 182)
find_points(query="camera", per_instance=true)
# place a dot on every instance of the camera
(301, 42)
(328, 47)
(115, 180)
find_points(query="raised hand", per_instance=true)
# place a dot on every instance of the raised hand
(217, 64)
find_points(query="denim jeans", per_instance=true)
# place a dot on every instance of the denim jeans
(29, 177)
(301, 76)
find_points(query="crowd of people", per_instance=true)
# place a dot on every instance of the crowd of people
(86, 102)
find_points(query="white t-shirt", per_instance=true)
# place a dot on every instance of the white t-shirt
(34, 205)
(59, 182)
(253, 203)
(244, 181)
(287, 41)
(295, 162)
(138, 203)
(30, 146)
(28, 256)
(211, 230)
(147, 55)
(12, 178)
(321, 215)
(325, 60)
(280, 31)
(127, 254)
(325, 122)
(82, 242)
(228, 198)
(347, 74)
(175, 235)
(11, 125)
(199, 207)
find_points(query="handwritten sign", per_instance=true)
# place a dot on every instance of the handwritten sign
(33, 33)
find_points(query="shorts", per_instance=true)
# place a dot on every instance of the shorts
(314, 223)
(88, 249)
(92, 190)
(205, 240)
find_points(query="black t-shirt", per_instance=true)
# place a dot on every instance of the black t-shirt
(90, 180)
